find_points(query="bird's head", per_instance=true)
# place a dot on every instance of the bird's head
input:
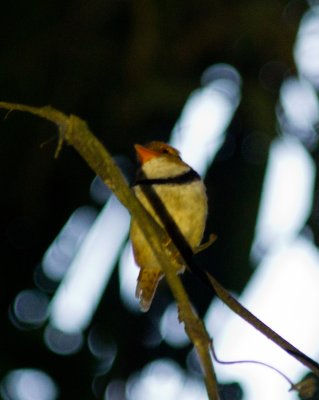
(155, 150)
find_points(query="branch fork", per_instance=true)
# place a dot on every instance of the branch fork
(76, 133)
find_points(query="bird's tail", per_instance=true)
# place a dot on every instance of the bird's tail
(147, 282)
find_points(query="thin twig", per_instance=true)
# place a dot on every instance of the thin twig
(261, 363)
(240, 310)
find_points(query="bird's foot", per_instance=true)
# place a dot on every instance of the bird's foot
(212, 238)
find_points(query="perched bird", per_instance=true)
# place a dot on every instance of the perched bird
(180, 195)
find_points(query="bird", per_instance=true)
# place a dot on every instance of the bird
(174, 195)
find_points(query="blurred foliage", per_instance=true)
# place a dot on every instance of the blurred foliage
(127, 68)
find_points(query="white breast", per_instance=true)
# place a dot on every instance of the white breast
(186, 204)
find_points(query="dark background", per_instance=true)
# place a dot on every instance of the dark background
(127, 68)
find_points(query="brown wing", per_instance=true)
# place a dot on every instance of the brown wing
(147, 282)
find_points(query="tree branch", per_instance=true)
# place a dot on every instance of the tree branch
(75, 132)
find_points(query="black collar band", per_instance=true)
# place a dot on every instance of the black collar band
(185, 177)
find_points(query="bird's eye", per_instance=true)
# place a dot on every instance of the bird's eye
(169, 150)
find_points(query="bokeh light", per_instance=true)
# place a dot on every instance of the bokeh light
(62, 343)
(60, 254)
(286, 196)
(30, 309)
(28, 384)
(128, 273)
(102, 348)
(116, 390)
(164, 379)
(298, 113)
(283, 289)
(307, 46)
(200, 130)
(79, 294)
(172, 330)
(99, 192)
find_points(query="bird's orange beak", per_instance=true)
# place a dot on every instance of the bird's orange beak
(144, 154)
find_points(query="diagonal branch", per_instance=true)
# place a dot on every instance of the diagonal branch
(75, 132)
(240, 310)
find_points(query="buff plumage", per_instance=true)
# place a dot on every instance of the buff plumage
(183, 195)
